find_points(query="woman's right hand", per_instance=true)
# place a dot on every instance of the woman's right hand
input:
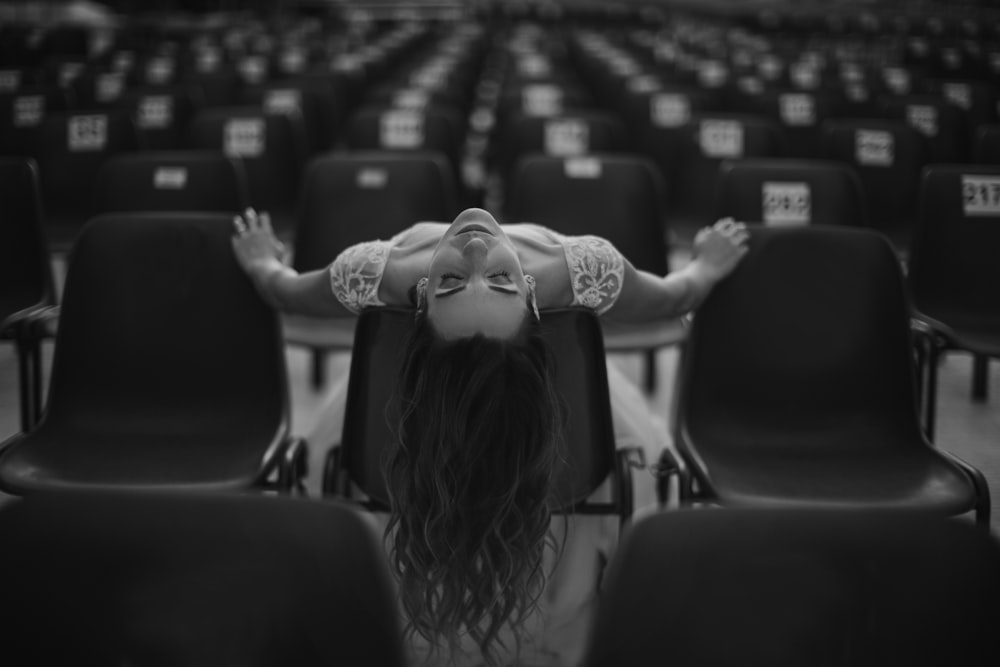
(258, 251)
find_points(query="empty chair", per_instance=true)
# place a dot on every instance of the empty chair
(438, 129)
(271, 147)
(887, 156)
(709, 139)
(797, 384)
(801, 114)
(161, 114)
(350, 198)
(354, 466)
(194, 579)
(314, 98)
(169, 370)
(171, 181)
(26, 283)
(21, 115)
(790, 192)
(792, 587)
(953, 274)
(72, 147)
(563, 135)
(986, 145)
(941, 123)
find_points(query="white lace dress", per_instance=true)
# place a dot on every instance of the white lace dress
(558, 632)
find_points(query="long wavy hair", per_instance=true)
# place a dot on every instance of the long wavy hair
(470, 485)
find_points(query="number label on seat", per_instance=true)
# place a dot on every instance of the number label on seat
(372, 178)
(411, 98)
(643, 84)
(785, 203)
(569, 136)
(874, 148)
(797, 109)
(583, 167)
(155, 112)
(109, 87)
(402, 129)
(669, 109)
(959, 94)
(283, 101)
(29, 110)
(923, 118)
(721, 138)
(87, 133)
(244, 137)
(170, 178)
(159, 71)
(981, 195)
(10, 80)
(541, 100)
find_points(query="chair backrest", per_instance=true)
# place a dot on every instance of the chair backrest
(887, 156)
(953, 270)
(160, 326)
(147, 578)
(171, 181)
(812, 328)
(161, 114)
(617, 197)
(790, 192)
(437, 129)
(270, 145)
(941, 123)
(25, 263)
(574, 336)
(792, 587)
(21, 115)
(72, 147)
(986, 144)
(349, 198)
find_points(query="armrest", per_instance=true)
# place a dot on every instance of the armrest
(666, 467)
(45, 323)
(23, 320)
(331, 472)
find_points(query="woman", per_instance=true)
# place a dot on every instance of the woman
(470, 530)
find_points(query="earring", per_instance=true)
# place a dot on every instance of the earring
(530, 281)
(421, 294)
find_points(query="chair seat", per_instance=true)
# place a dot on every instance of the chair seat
(977, 334)
(620, 337)
(913, 478)
(317, 332)
(52, 458)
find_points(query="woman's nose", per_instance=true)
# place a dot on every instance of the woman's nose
(475, 250)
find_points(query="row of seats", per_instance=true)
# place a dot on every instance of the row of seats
(122, 257)
(284, 581)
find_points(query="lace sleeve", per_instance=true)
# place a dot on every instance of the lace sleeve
(356, 274)
(596, 271)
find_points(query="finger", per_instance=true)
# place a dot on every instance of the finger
(725, 224)
(240, 225)
(250, 216)
(265, 222)
(740, 238)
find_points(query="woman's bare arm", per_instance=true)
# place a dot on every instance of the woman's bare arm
(262, 256)
(647, 297)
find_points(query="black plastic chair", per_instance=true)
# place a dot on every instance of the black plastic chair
(787, 588)
(171, 181)
(194, 579)
(26, 281)
(169, 369)
(797, 384)
(72, 148)
(353, 468)
(349, 198)
(786, 191)
(953, 272)
(617, 197)
(887, 155)
(271, 146)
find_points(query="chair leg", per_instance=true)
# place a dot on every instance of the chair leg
(930, 391)
(649, 380)
(980, 377)
(318, 374)
(26, 381)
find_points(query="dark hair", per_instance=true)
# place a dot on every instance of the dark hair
(470, 484)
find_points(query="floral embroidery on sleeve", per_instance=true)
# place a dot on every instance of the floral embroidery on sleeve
(356, 274)
(596, 271)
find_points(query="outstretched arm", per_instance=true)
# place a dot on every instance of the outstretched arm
(259, 252)
(646, 297)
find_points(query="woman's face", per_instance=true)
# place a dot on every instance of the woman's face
(475, 280)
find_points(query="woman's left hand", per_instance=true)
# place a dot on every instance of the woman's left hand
(719, 248)
(255, 245)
